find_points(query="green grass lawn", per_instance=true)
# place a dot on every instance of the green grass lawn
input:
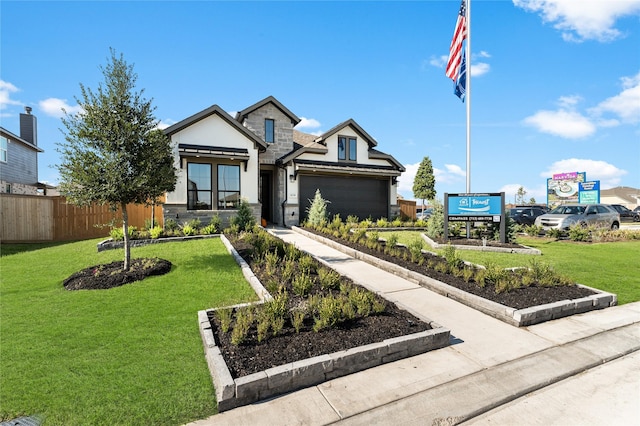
(611, 267)
(128, 355)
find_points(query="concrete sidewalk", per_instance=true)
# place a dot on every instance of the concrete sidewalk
(581, 369)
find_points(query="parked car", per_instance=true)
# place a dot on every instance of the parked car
(626, 215)
(525, 215)
(424, 214)
(565, 216)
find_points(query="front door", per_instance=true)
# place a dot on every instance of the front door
(266, 178)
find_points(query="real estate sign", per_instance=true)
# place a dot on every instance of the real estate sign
(484, 207)
(589, 192)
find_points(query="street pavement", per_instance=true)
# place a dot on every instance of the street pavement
(578, 370)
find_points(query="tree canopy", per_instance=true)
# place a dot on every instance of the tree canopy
(425, 182)
(113, 151)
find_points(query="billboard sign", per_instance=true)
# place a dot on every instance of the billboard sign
(564, 188)
(589, 192)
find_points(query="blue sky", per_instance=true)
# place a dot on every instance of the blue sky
(555, 83)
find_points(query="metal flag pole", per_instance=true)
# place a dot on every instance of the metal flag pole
(468, 93)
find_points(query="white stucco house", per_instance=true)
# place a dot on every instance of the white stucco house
(257, 155)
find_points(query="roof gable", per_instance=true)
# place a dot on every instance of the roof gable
(215, 110)
(349, 123)
(270, 99)
(16, 138)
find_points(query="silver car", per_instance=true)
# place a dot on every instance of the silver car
(567, 215)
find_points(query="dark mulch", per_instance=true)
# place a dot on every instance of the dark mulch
(101, 277)
(253, 356)
(519, 298)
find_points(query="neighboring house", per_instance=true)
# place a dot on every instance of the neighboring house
(259, 156)
(19, 157)
(628, 197)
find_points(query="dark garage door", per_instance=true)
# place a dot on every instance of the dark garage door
(359, 196)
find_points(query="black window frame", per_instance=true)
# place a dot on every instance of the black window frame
(225, 191)
(350, 153)
(216, 191)
(269, 134)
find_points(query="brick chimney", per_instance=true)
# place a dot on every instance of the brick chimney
(29, 127)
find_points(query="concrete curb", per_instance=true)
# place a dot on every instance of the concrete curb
(516, 317)
(525, 250)
(232, 393)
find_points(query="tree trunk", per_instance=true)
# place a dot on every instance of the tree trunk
(125, 229)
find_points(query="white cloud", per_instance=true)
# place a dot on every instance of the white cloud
(438, 61)
(54, 107)
(583, 20)
(564, 123)
(6, 89)
(626, 104)
(308, 123)
(479, 68)
(163, 124)
(608, 174)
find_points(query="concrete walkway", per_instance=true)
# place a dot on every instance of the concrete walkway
(579, 370)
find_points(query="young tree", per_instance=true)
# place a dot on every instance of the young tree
(520, 195)
(113, 153)
(425, 182)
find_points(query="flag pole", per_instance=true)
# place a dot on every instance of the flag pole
(468, 93)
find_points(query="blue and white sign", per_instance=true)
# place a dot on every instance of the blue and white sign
(474, 204)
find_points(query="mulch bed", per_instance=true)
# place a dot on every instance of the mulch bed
(519, 298)
(253, 356)
(102, 277)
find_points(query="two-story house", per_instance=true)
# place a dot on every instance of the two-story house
(257, 155)
(19, 157)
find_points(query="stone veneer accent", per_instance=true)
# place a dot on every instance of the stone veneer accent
(180, 214)
(283, 132)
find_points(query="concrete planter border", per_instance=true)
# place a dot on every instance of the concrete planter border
(231, 393)
(516, 317)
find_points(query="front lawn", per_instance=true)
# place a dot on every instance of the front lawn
(128, 355)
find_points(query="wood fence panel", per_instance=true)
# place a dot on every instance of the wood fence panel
(25, 218)
(407, 209)
(29, 218)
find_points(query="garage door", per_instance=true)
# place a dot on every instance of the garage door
(359, 196)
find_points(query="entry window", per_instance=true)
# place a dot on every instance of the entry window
(228, 186)
(269, 136)
(347, 149)
(4, 143)
(199, 191)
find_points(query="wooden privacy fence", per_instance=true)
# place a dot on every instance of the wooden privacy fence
(407, 209)
(28, 218)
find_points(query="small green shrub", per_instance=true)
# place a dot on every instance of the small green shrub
(116, 234)
(188, 230)
(329, 279)
(306, 264)
(579, 233)
(302, 284)
(555, 233)
(171, 225)
(224, 316)
(156, 232)
(533, 230)
(297, 318)
(244, 320)
(415, 249)
(244, 220)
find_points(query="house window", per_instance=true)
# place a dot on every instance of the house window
(347, 150)
(199, 186)
(4, 143)
(228, 186)
(269, 131)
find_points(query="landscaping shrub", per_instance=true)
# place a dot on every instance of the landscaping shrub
(244, 220)
(317, 212)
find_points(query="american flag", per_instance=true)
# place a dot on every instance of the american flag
(455, 50)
